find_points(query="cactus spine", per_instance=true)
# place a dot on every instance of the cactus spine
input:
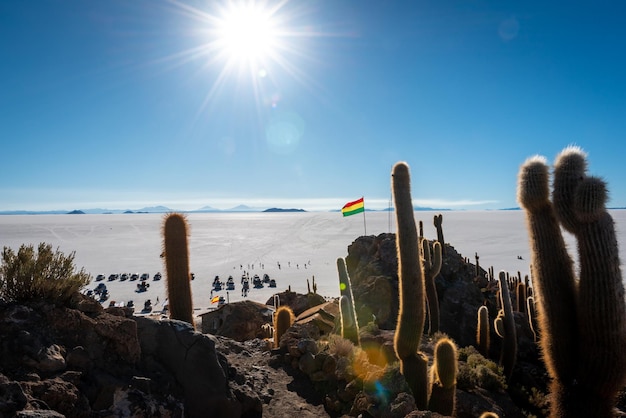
(482, 331)
(175, 247)
(283, 319)
(432, 267)
(412, 313)
(443, 377)
(582, 326)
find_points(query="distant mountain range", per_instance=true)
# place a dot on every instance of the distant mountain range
(204, 209)
(149, 209)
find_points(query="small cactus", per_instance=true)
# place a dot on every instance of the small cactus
(283, 319)
(443, 378)
(482, 331)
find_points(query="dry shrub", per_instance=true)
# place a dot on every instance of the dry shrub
(42, 274)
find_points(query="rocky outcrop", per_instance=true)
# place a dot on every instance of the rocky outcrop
(372, 265)
(86, 361)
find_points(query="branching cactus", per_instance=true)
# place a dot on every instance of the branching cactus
(582, 323)
(443, 378)
(432, 267)
(283, 319)
(175, 247)
(412, 313)
(505, 327)
(483, 338)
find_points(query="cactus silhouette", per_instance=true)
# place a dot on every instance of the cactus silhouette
(412, 313)
(432, 267)
(582, 324)
(483, 338)
(438, 222)
(443, 378)
(175, 247)
(349, 321)
(283, 319)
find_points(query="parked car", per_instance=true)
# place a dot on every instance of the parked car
(100, 277)
(145, 276)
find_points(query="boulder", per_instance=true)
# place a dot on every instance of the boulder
(191, 358)
(240, 321)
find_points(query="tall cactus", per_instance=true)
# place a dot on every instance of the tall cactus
(443, 378)
(483, 338)
(432, 267)
(350, 321)
(175, 247)
(412, 313)
(582, 325)
(283, 319)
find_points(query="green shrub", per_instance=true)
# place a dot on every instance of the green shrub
(41, 274)
(477, 371)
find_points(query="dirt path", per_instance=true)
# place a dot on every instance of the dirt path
(284, 393)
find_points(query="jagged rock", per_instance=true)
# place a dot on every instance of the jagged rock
(240, 321)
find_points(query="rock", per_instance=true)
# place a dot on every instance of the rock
(296, 301)
(240, 321)
(195, 364)
(322, 316)
(51, 359)
(12, 397)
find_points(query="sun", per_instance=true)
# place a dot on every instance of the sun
(247, 33)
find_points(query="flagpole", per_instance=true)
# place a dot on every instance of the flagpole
(364, 223)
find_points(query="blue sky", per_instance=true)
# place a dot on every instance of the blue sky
(126, 104)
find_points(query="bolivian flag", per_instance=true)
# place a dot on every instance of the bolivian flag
(352, 208)
(215, 299)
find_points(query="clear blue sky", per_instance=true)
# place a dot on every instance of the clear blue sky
(125, 104)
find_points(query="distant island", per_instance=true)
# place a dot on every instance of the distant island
(283, 210)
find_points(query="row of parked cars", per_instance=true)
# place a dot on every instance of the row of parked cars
(126, 276)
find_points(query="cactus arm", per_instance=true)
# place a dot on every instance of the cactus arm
(601, 307)
(482, 331)
(553, 274)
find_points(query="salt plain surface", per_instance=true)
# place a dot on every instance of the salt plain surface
(305, 244)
